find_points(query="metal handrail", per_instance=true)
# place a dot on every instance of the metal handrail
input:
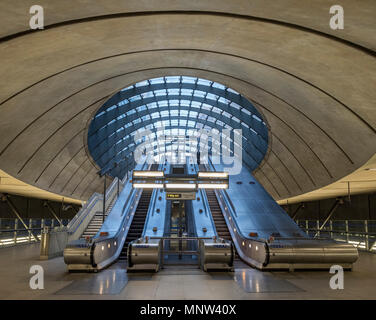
(224, 191)
(366, 239)
(372, 234)
(130, 195)
(97, 197)
(84, 207)
(228, 199)
(14, 230)
(181, 238)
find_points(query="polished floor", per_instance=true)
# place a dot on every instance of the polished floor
(174, 282)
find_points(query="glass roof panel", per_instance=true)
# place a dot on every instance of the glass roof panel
(145, 105)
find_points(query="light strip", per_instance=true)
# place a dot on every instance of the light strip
(213, 185)
(147, 186)
(18, 240)
(148, 173)
(213, 174)
(180, 186)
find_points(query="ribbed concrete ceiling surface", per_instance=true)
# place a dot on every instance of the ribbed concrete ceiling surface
(313, 86)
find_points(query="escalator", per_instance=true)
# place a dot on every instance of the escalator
(219, 220)
(263, 235)
(137, 225)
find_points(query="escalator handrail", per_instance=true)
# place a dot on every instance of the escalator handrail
(85, 211)
(130, 200)
(95, 197)
(230, 211)
(212, 167)
(152, 202)
(230, 204)
(150, 211)
(206, 205)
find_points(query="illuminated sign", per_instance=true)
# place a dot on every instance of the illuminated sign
(181, 196)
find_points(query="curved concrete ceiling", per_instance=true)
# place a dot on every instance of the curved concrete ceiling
(362, 180)
(313, 86)
(11, 185)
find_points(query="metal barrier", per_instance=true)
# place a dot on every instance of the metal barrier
(180, 246)
(155, 252)
(53, 242)
(360, 233)
(13, 232)
(95, 204)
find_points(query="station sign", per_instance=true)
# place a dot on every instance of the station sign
(180, 195)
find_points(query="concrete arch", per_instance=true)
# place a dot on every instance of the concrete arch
(290, 74)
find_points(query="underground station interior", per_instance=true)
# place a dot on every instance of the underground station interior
(187, 150)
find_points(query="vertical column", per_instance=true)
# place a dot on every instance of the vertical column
(15, 231)
(29, 231)
(104, 199)
(347, 230)
(331, 228)
(42, 224)
(366, 238)
(318, 227)
(306, 227)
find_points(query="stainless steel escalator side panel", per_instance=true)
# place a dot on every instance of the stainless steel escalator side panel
(254, 252)
(216, 254)
(315, 251)
(144, 254)
(155, 220)
(107, 249)
(101, 251)
(78, 256)
(286, 253)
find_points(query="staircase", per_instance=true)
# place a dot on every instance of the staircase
(96, 222)
(137, 225)
(219, 220)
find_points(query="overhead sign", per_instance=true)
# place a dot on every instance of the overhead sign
(181, 195)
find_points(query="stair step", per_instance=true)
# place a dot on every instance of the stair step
(138, 222)
(218, 218)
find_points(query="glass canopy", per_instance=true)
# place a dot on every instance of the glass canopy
(177, 106)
